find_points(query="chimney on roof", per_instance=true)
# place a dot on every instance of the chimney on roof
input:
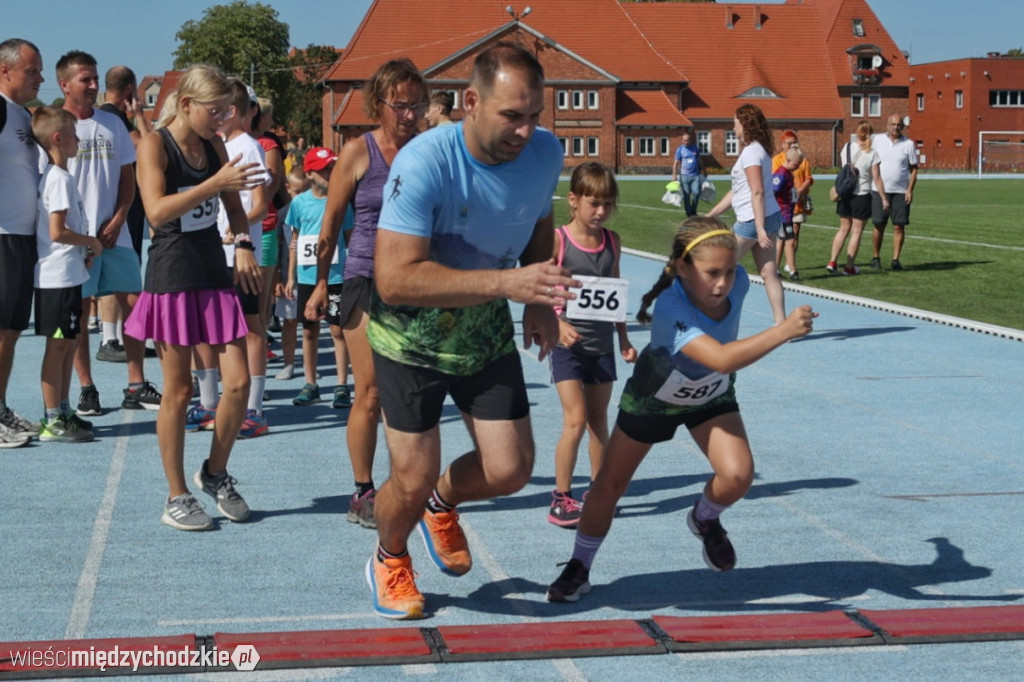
(730, 17)
(757, 17)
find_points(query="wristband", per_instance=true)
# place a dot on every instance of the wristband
(246, 244)
(242, 238)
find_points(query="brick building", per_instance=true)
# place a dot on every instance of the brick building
(624, 83)
(952, 101)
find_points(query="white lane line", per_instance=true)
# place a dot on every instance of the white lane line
(81, 608)
(189, 622)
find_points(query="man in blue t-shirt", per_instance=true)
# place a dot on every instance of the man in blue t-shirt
(462, 204)
(689, 171)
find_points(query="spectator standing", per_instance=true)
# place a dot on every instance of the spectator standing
(802, 207)
(440, 111)
(899, 175)
(855, 211)
(688, 169)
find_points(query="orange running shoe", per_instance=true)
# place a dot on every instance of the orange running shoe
(393, 584)
(446, 544)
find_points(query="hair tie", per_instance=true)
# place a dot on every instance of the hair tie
(700, 238)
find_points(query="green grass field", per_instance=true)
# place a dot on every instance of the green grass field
(964, 253)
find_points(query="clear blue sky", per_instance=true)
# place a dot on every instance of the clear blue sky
(140, 33)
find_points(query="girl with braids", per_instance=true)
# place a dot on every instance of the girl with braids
(685, 376)
(758, 216)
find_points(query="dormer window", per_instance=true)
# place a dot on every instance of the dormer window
(858, 28)
(759, 91)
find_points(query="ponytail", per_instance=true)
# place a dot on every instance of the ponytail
(664, 282)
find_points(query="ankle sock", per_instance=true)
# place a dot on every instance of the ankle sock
(708, 510)
(585, 548)
(363, 488)
(437, 505)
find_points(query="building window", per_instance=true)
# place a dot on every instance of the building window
(704, 142)
(577, 99)
(664, 144)
(857, 106)
(564, 141)
(629, 146)
(150, 100)
(874, 105)
(593, 99)
(1006, 98)
(958, 143)
(958, 95)
(732, 145)
(758, 91)
(858, 28)
(646, 146)
(563, 99)
(577, 146)
(920, 101)
(592, 146)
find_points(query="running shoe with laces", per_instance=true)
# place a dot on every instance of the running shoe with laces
(851, 270)
(360, 509)
(446, 544)
(89, 402)
(222, 488)
(831, 268)
(255, 424)
(565, 512)
(17, 425)
(876, 263)
(198, 418)
(342, 398)
(896, 265)
(62, 430)
(285, 374)
(185, 512)
(145, 398)
(794, 276)
(9, 439)
(308, 394)
(572, 584)
(111, 351)
(393, 585)
(83, 424)
(719, 554)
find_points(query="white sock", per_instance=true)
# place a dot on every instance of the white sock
(256, 389)
(109, 331)
(707, 510)
(208, 396)
(120, 331)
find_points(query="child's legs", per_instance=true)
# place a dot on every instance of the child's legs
(266, 293)
(621, 459)
(571, 394)
(175, 362)
(597, 398)
(234, 375)
(310, 343)
(256, 345)
(340, 353)
(289, 339)
(55, 375)
(361, 429)
(134, 349)
(789, 248)
(723, 440)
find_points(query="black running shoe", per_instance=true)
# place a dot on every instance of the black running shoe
(718, 552)
(572, 584)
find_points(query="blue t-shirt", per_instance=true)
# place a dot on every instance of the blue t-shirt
(688, 158)
(675, 323)
(305, 214)
(476, 216)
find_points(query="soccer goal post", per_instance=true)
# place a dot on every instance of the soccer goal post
(1000, 151)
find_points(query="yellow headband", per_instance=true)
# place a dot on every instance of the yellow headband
(700, 238)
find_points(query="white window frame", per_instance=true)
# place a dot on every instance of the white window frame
(920, 101)
(564, 141)
(666, 146)
(958, 95)
(874, 106)
(593, 99)
(577, 146)
(646, 146)
(857, 105)
(630, 146)
(858, 28)
(704, 141)
(577, 99)
(593, 146)
(562, 99)
(732, 143)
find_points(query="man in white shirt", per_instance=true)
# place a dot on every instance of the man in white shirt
(899, 175)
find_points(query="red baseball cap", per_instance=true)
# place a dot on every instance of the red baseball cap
(318, 158)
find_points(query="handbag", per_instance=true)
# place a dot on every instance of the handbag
(846, 179)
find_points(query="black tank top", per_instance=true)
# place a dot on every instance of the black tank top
(185, 254)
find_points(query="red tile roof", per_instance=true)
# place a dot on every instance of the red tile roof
(647, 108)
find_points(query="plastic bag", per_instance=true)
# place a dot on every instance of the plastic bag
(708, 194)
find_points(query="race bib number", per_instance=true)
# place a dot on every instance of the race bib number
(678, 390)
(307, 250)
(600, 298)
(200, 217)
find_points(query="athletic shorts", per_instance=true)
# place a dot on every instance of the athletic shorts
(59, 312)
(18, 258)
(899, 209)
(250, 302)
(786, 232)
(747, 230)
(857, 207)
(662, 427)
(333, 303)
(286, 308)
(116, 270)
(356, 292)
(268, 257)
(567, 365)
(412, 397)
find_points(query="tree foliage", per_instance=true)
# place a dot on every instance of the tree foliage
(310, 65)
(1015, 52)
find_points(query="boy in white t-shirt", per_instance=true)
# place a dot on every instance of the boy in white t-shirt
(65, 253)
(285, 306)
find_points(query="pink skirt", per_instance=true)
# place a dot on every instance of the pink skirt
(187, 318)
